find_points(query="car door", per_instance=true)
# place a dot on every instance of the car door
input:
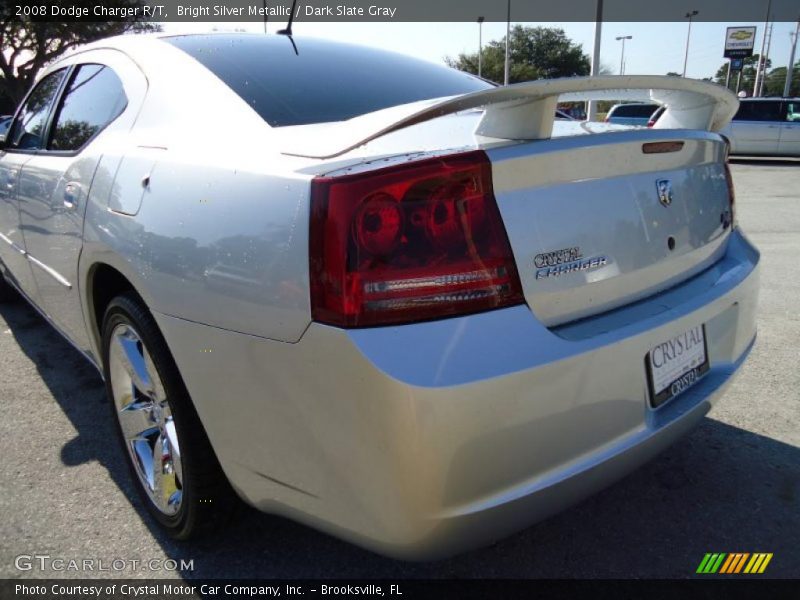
(23, 140)
(756, 127)
(789, 143)
(54, 185)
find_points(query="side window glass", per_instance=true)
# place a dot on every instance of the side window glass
(774, 111)
(93, 98)
(793, 112)
(759, 111)
(28, 130)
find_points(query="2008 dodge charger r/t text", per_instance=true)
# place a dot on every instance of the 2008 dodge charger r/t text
(373, 294)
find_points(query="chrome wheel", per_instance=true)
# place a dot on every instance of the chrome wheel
(146, 420)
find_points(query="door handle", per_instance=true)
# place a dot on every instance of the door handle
(72, 192)
(11, 179)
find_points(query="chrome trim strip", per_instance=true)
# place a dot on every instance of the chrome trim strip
(8, 241)
(53, 273)
(49, 270)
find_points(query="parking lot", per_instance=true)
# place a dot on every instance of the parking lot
(733, 485)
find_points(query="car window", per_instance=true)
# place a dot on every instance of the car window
(93, 98)
(28, 130)
(635, 110)
(317, 81)
(793, 112)
(759, 111)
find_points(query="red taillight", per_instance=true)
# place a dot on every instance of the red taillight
(417, 241)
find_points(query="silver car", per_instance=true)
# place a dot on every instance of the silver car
(381, 297)
(765, 127)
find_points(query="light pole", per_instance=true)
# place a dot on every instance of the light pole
(595, 68)
(766, 61)
(480, 46)
(787, 87)
(761, 64)
(688, 15)
(508, 35)
(622, 55)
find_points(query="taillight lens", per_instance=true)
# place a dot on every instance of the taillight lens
(731, 192)
(407, 243)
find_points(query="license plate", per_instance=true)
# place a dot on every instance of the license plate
(676, 364)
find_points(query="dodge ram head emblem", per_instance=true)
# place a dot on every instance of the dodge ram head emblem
(664, 188)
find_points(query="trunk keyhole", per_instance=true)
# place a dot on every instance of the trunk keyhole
(671, 243)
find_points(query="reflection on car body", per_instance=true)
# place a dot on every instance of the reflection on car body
(331, 307)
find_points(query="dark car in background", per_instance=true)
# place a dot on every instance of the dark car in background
(632, 113)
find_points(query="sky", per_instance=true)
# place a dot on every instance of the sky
(656, 48)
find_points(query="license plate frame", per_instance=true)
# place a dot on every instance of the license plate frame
(685, 371)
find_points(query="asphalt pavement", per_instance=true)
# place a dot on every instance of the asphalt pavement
(733, 485)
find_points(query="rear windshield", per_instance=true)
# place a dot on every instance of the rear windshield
(322, 81)
(635, 110)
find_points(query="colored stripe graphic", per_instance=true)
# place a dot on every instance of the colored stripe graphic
(717, 563)
(703, 563)
(722, 563)
(756, 559)
(765, 563)
(741, 558)
(758, 563)
(711, 563)
(727, 564)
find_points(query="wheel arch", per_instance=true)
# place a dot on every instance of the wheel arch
(103, 281)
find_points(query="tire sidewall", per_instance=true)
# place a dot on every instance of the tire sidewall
(127, 311)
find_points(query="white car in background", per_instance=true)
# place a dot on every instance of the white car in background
(765, 127)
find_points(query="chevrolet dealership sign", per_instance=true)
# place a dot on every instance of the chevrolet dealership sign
(739, 42)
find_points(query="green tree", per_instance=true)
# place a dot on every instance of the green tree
(748, 74)
(776, 80)
(535, 53)
(27, 45)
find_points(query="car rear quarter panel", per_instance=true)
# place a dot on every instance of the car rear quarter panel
(224, 245)
(200, 211)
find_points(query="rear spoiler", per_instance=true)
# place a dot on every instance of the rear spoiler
(524, 111)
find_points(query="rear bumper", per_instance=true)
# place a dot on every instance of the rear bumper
(425, 440)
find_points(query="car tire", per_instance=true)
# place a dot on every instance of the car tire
(174, 467)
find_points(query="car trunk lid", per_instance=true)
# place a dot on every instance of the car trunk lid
(598, 222)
